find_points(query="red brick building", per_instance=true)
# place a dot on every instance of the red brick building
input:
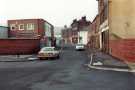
(28, 28)
(117, 34)
(93, 35)
(75, 29)
(31, 28)
(77, 26)
(66, 35)
(27, 36)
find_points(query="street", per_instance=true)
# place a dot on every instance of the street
(67, 73)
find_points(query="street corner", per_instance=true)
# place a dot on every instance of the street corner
(111, 67)
(110, 64)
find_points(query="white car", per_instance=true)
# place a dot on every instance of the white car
(48, 52)
(80, 47)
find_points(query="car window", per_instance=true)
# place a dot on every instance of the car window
(57, 49)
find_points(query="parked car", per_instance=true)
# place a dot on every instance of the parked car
(80, 47)
(48, 52)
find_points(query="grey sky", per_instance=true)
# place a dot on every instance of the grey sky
(57, 12)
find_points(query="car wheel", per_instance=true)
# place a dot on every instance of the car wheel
(41, 58)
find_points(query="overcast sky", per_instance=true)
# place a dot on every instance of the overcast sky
(57, 12)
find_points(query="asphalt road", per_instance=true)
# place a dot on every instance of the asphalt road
(67, 73)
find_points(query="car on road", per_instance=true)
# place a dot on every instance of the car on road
(48, 52)
(80, 47)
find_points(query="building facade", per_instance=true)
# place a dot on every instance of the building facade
(32, 29)
(121, 29)
(26, 28)
(67, 35)
(83, 35)
(75, 29)
(104, 25)
(117, 28)
(27, 36)
(93, 34)
(78, 27)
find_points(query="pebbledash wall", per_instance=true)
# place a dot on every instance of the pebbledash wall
(122, 29)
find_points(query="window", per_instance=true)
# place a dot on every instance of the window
(21, 27)
(12, 27)
(47, 30)
(30, 26)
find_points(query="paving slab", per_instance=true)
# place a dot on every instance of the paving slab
(106, 60)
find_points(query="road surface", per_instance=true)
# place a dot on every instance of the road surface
(67, 73)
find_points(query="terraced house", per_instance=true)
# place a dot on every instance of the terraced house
(93, 33)
(80, 30)
(117, 24)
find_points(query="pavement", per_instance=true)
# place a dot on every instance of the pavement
(20, 58)
(131, 65)
(101, 59)
(16, 58)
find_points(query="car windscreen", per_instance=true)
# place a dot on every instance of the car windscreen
(79, 44)
(48, 49)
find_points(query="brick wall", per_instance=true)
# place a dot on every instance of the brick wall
(19, 46)
(41, 27)
(123, 49)
(38, 28)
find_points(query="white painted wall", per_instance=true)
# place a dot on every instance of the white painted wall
(83, 37)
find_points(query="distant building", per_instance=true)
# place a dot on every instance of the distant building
(78, 26)
(58, 36)
(83, 37)
(77, 32)
(67, 35)
(93, 33)
(3, 32)
(75, 29)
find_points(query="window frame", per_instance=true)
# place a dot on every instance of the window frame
(20, 27)
(30, 26)
(11, 26)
